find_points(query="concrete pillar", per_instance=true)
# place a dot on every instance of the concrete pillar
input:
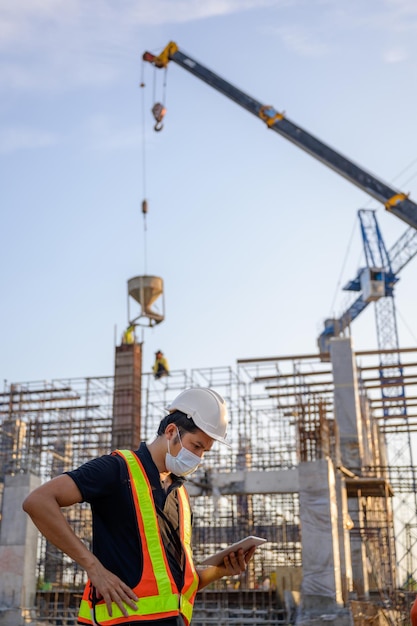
(321, 586)
(18, 552)
(350, 430)
(346, 403)
(358, 551)
(344, 526)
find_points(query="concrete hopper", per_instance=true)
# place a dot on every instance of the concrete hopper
(145, 290)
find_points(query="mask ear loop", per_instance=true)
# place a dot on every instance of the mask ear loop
(179, 437)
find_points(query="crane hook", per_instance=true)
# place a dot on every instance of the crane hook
(158, 111)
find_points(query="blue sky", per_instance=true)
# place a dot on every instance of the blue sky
(252, 236)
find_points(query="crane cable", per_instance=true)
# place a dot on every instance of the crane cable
(144, 201)
(158, 111)
(347, 253)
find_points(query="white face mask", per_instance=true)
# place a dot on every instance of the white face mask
(184, 463)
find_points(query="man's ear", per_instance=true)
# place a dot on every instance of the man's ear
(170, 431)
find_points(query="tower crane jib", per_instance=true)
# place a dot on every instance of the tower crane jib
(394, 200)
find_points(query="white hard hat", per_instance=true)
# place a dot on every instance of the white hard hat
(206, 408)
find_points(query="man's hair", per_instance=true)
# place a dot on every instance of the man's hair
(181, 421)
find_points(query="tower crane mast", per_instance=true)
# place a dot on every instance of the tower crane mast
(394, 200)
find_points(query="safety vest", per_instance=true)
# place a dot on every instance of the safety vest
(158, 594)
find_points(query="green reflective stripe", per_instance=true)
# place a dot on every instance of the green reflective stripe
(186, 608)
(187, 546)
(146, 606)
(150, 525)
(192, 589)
(186, 517)
(84, 610)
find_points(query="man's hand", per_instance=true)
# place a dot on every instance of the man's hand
(235, 563)
(110, 588)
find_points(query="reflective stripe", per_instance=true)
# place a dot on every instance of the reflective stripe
(150, 524)
(191, 577)
(146, 607)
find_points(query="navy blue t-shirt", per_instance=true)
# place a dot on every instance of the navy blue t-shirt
(104, 483)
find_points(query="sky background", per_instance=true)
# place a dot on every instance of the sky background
(253, 238)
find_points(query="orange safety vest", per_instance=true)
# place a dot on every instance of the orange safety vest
(157, 592)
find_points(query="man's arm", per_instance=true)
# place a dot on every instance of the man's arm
(44, 505)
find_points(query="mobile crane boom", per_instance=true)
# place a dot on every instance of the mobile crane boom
(394, 201)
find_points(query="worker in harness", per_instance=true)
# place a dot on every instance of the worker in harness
(160, 367)
(140, 569)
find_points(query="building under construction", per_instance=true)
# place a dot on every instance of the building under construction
(318, 466)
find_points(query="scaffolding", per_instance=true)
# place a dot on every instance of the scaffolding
(281, 414)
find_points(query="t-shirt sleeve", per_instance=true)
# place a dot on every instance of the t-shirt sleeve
(99, 477)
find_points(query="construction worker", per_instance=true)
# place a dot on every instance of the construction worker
(160, 367)
(140, 569)
(129, 335)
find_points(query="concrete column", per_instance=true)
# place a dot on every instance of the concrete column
(344, 525)
(18, 552)
(358, 551)
(350, 430)
(321, 587)
(346, 403)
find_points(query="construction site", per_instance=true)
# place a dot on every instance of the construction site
(321, 460)
(315, 468)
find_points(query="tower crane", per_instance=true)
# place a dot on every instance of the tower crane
(394, 200)
(376, 281)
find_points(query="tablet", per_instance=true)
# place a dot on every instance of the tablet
(245, 544)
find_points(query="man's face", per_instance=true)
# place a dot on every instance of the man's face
(197, 442)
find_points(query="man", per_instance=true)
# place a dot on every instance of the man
(129, 335)
(160, 367)
(140, 569)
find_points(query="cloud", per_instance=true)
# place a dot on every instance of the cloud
(304, 42)
(16, 139)
(56, 45)
(404, 7)
(105, 19)
(102, 135)
(319, 27)
(175, 11)
(395, 55)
